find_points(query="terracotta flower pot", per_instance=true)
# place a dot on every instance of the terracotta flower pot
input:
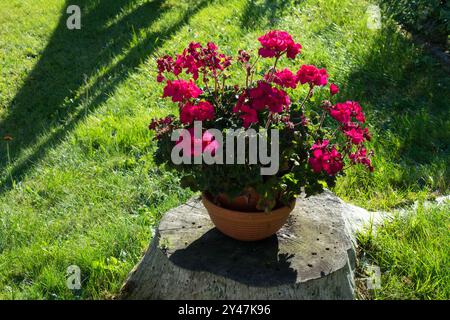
(247, 201)
(246, 226)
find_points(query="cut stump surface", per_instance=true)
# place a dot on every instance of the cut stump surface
(311, 257)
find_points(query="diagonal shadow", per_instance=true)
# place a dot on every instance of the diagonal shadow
(406, 92)
(48, 100)
(256, 10)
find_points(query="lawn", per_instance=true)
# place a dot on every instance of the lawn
(412, 252)
(78, 185)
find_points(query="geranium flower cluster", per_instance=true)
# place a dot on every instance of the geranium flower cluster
(262, 97)
(275, 43)
(325, 158)
(201, 111)
(361, 156)
(312, 75)
(205, 144)
(284, 78)
(196, 81)
(344, 112)
(195, 59)
(161, 126)
(181, 90)
(351, 117)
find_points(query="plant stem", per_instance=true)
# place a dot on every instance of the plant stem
(269, 120)
(247, 75)
(306, 99)
(205, 80)
(223, 84)
(322, 118)
(275, 63)
(254, 63)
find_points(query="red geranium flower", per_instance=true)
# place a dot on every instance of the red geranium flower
(264, 95)
(334, 89)
(197, 112)
(207, 143)
(181, 90)
(275, 43)
(312, 75)
(360, 156)
(247, 114)
(164, 64)
(284, 78)
(324, 160)
(341, 112)
(356, 111)
(354, 132)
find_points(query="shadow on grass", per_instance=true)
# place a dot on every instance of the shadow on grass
(405, 92)
(48, 101)
(256, 11)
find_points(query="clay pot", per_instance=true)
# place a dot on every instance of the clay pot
(247, 201)
(244, 225)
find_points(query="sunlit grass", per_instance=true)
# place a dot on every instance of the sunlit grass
(413, 252)
(85, 190)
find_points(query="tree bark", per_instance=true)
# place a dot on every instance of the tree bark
(311, 257)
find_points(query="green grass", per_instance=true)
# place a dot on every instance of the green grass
(413, 254)
(81, 187)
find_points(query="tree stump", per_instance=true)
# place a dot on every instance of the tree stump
(311, 257)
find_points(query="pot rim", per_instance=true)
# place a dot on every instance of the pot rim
(207, 198)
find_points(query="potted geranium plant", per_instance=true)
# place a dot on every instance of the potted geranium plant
(311, 142)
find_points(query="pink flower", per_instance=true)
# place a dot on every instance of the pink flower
(334, 89)
(324, 160)
(264, 95)
(197, 112)
(320, 145)
(194, 59)
(181, 90)
(189, 63)
(333, 163)
(360, 156)
(341, 112)
(367, 134)
(275, 43)
(259, 98)
(160, 77)
(243, 56)
(354, 133)
(318, 149)
(293, 50)
(212, 60)
(155, 123)
(164, 64)
(284, 78)
(316, 162)
(247, 114)
(312, 75)
(207, 144)
(356, 111)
